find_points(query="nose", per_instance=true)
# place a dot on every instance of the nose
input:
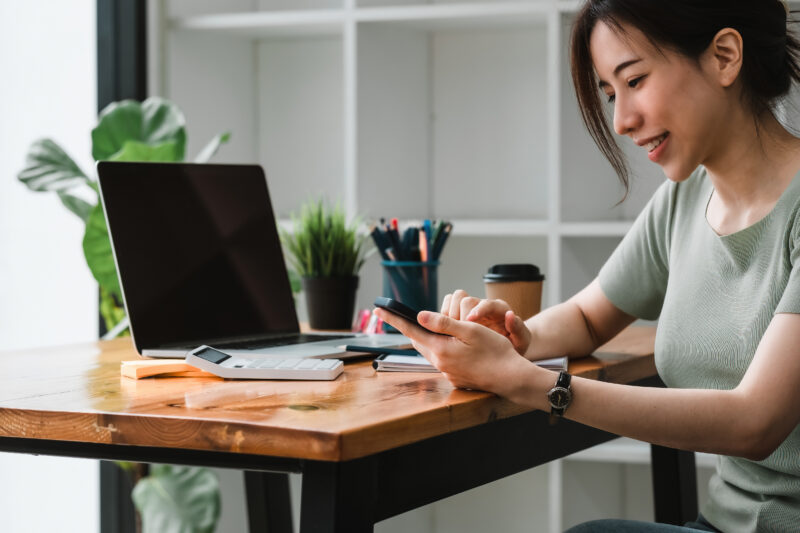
(626, 117)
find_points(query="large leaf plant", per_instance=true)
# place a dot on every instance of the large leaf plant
(169, 499)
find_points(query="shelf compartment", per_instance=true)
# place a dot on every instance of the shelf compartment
(451, 120)
(581, 260)
(465, 260)
(197, 72)
(300, 110)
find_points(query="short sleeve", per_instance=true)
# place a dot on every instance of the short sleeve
(634, 278)
(790, 300)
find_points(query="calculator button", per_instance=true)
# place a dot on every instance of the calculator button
(268, 363)
(289, 363)
(327, 363)
(253, 364)
(307, 364)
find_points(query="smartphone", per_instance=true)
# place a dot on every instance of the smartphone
(402, 310)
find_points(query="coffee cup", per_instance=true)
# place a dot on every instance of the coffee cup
(519, 285)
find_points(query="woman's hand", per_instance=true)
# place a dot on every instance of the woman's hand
(494, 314)
(472, 357)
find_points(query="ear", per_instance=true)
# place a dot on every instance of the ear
(724, 56)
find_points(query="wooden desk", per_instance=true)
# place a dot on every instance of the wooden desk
(369, 445)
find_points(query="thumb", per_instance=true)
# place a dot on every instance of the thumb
(440, 323)
(515, 325)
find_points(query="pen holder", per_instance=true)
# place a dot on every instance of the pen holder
(413, 283)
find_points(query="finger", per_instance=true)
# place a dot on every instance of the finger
(488, 309)
(449, 326)
(426, 353)
(467, 305)
(516, 327)
(446, 304)
(455, 303)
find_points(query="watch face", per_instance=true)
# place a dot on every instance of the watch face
(559, 397)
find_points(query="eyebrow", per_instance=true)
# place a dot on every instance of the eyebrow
(622, 66)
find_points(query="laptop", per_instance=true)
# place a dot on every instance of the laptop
(200, 262)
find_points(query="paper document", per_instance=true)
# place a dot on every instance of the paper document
(417, 363)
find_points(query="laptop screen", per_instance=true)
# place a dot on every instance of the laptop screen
(197, 252)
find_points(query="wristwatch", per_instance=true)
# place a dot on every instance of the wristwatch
(560, 395)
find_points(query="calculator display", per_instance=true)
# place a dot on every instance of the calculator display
(212, 356)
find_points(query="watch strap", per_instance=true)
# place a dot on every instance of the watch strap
(562, 382)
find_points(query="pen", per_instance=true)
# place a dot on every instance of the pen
(423, 245)
(379, 240)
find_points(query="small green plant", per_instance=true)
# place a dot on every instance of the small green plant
(322, 244)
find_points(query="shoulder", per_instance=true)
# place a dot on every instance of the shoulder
(792, 207)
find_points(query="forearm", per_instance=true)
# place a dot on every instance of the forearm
(560, 330)
(577, 327)
(714, 421)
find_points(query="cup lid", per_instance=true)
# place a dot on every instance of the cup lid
(513, 272)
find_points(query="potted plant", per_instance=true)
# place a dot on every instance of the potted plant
(327, 253)
(168, 498)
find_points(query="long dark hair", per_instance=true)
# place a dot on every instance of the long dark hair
(771, 55)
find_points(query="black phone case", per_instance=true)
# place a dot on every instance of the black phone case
(402, 310)
(398, 308)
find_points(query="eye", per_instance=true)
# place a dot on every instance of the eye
(634, 82)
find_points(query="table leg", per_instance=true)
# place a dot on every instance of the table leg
(268, 502)
(674, 485)
(339, 497)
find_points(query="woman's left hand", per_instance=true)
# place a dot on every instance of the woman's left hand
(472, 356)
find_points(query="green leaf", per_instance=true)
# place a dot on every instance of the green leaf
(137, 151)
(97, 250)
(154, 122)
(322, 244)
(211, 148)
(49, 168)
(178, 499)
(295, 281)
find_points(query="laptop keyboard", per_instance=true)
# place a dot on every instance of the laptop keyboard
(299, 338)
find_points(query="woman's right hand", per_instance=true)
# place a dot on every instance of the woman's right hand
(494, 314)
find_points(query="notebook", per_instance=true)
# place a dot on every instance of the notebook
(200, 262)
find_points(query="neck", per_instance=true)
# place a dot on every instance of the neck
(756, 162)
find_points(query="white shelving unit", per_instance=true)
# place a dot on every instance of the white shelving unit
(410, 109)
(462, 110)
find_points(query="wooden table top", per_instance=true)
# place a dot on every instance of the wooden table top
(76, 393)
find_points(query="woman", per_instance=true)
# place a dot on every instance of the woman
(715, 255)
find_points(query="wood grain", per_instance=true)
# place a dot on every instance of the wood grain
(76, 393)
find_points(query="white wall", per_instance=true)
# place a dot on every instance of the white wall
(47, 296)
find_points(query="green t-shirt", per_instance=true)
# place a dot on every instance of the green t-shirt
(714, 297)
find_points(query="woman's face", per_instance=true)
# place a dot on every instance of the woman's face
(669, 105)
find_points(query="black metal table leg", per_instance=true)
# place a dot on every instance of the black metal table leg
(339, 497)
(674, 485)
(268, 502)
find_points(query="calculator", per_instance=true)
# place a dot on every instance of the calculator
(233, 367)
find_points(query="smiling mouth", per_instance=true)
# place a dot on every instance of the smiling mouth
(652, 145)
